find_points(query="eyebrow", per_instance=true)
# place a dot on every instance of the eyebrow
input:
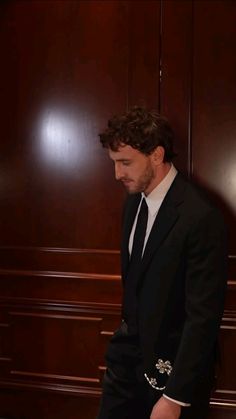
(122, 160)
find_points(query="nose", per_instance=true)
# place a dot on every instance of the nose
(118, 172)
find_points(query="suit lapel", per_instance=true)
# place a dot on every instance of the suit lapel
(166, 218)
(130, 213)
(164, 222)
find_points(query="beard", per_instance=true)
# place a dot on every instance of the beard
(142, 183)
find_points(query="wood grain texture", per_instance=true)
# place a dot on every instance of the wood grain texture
(69, 74)
(176, 76)
(66, 68)
(214, 111)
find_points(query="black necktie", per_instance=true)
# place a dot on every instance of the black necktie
(139, 234)
(130, 298)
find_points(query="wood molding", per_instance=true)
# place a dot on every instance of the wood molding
(46, 259)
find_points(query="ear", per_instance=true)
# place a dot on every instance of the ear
(158, 155)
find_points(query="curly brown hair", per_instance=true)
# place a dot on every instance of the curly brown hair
(141, 129)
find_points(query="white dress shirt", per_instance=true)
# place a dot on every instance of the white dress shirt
(154, 201)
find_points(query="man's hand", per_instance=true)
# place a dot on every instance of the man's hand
(165, 409)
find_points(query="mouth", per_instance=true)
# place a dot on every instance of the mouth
(126, 182)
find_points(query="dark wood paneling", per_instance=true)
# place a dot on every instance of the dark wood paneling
(75, 64)
(214, 111)
(47, 342)
(213, 151)
(58, 287)
(176, 75)
(70, 72)
(197, 94)
(219, 411)
(93, 261)
(226, 385)
(232, 267)
(67, 67)
(54, 346)
(144, 53)
(43, 405)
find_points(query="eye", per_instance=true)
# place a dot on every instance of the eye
(126, 162)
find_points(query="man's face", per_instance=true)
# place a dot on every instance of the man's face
(134, 169)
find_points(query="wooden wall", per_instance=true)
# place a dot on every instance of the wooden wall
(66, 67)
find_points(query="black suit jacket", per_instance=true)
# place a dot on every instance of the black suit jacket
(181, 288)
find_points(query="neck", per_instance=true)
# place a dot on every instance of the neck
(161, 171)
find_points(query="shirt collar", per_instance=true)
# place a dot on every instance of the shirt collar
(155, 198)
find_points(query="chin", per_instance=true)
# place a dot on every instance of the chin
(133, 191)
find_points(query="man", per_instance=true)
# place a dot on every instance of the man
(160, 362)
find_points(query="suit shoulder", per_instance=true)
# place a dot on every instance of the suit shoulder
(198, 205)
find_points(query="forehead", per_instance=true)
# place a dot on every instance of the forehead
(125, 152)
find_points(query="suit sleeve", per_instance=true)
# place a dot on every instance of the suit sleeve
(204, 295)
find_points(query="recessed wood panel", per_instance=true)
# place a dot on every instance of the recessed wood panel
(93, 261)
(214, 111)
(218, 411)
(60, 288)
(227, 381)
(50, 345)
(4, 342)
(144, 28)
(53, 344)
(66, 64)
(176, 75)
(43, 405)
(71, 65)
